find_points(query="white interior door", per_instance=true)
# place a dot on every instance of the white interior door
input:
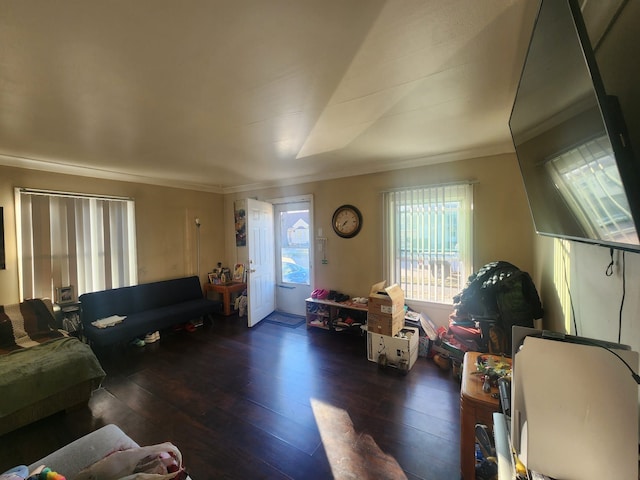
(260, 245)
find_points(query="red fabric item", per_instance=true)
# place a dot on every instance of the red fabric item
(467, 333)
(466, 338)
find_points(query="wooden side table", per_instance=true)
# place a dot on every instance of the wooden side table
(476, 406)
(224, 289)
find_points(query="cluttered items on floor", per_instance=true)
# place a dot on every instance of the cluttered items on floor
(496, 297)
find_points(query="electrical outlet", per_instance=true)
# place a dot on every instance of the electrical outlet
(325, 261)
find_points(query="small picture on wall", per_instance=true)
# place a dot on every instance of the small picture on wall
(241, 228)
(64, 294)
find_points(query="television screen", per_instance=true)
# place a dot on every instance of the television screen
(579, 172)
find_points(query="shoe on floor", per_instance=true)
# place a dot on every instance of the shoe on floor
(152, 337)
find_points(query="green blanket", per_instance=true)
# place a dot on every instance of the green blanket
(35, 373)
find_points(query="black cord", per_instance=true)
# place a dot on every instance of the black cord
(635, 376)
(624, 293)
(585, 341)
(609, 271)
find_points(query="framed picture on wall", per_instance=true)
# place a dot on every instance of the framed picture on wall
(64, 294)
(241, 227)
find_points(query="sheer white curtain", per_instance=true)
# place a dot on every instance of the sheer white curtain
(428, 240)
(67, 239)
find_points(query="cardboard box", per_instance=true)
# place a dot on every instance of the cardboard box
(386, 301)
(385, 310)
(399, 351)
(385, 324)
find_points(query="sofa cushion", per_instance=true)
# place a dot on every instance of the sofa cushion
(79, 454)
(138, 324)
(72, 458)
(125, 301)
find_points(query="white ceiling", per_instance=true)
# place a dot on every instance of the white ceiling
(228, 95)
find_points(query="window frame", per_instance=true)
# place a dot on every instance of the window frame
(435, 274)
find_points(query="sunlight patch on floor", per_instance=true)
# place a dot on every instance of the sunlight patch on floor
(352, 455)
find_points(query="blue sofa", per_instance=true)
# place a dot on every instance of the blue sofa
(147, 307)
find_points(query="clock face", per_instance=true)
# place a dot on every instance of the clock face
(347, 221)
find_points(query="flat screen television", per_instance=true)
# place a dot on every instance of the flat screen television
(581, 177)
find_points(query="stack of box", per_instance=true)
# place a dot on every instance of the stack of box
(388, 342)
(385, 315)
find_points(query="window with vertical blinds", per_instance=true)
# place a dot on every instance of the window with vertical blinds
(66, 239)
(428, 240)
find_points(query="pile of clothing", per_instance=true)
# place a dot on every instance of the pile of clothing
(495, 298)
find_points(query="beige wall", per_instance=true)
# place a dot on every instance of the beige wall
(166, 236)
(165, 217)
(571, 278)
(503, 229)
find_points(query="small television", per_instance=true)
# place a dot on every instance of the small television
(580, 175)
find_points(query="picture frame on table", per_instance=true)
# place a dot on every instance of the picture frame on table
(239, 273)
(225, 275)
(64, 295)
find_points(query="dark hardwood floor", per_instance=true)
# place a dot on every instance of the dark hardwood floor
(270, 402)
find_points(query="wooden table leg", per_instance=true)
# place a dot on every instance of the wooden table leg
(226, 302)
(467, 442)
(225, 292)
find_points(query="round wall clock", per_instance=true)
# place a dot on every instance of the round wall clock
(347, 221)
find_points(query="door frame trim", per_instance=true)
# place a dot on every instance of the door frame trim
(314, 238)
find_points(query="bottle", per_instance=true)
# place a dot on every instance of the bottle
(486, 386)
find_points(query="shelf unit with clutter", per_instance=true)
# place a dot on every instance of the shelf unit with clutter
(335, 316)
